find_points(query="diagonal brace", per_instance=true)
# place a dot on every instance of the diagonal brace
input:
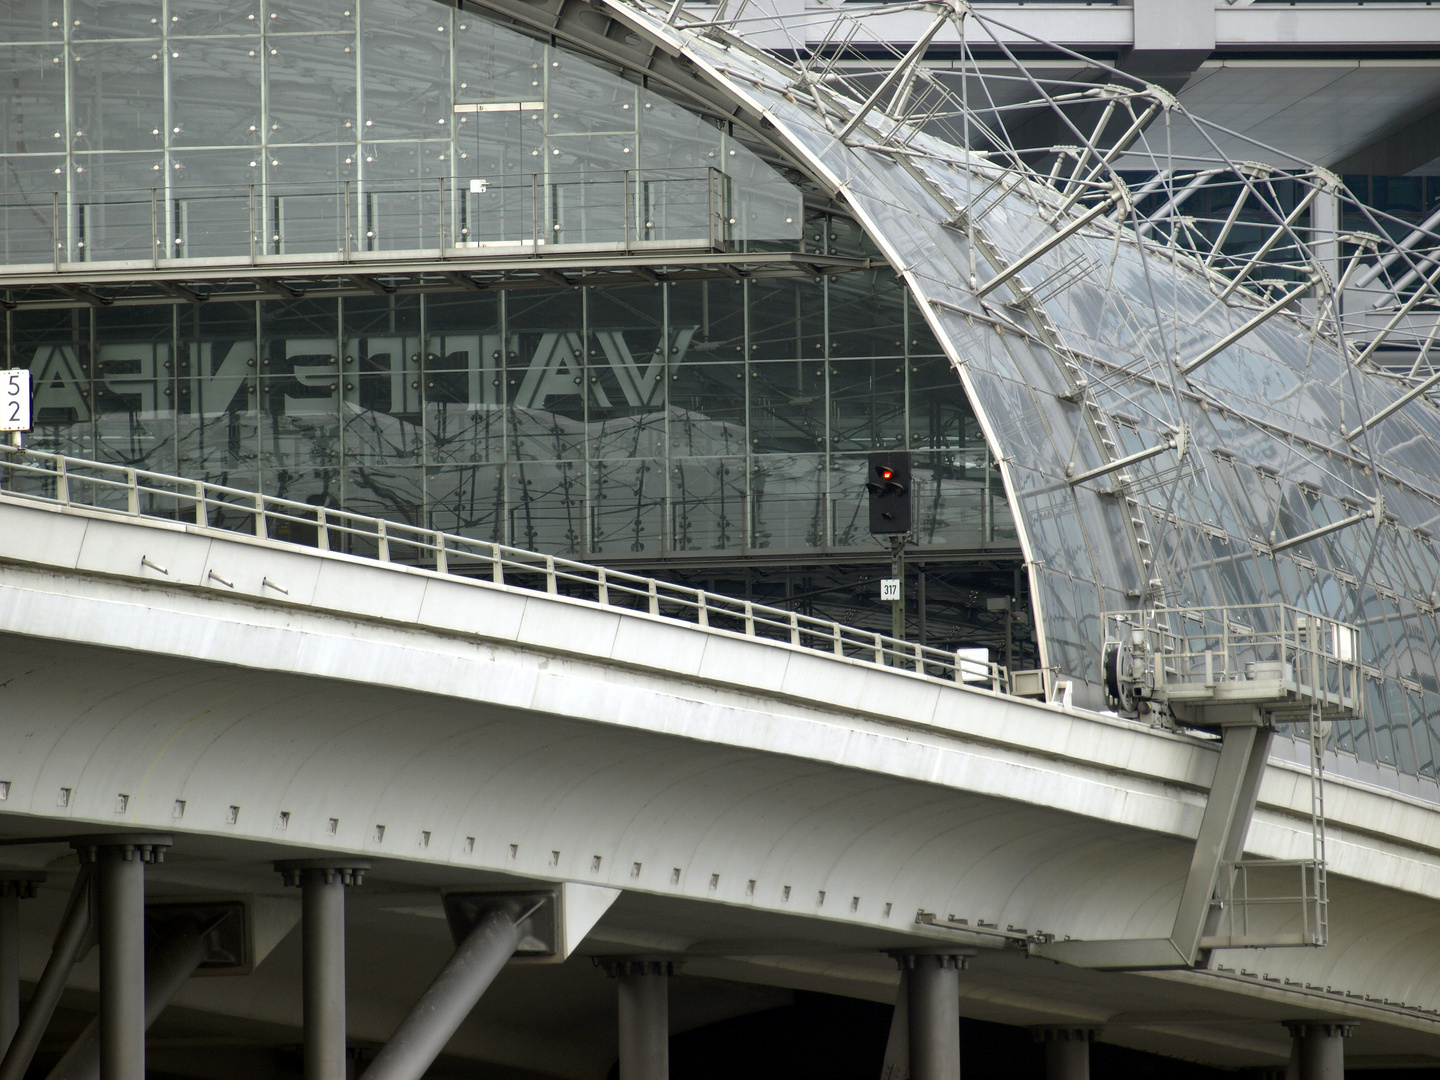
(1244, 750)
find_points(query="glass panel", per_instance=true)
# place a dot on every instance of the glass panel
(32, 119)
(118, 91)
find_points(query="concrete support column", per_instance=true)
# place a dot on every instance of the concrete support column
(934, 1014)
(1067, 1052)
(14, 887)
(119, 861)
(322, 885)
(1320, 1048)
(644, 998)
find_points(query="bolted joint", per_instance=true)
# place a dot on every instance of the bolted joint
(21, 883)
(349, 872)
(615, 967)
(945, 961)
(1062, 1034)
(121, 847)
(1329, 1029)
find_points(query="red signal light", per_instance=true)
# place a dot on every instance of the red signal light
(886, 474)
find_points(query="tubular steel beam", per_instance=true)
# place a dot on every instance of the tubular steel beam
(322, 885)
(1047, 244)
(446, 1002)
(74, 928)
(1179, 443)
(1251, 324)
(898, 72)
(1394, 407)
(167, 967)
(1376, 513)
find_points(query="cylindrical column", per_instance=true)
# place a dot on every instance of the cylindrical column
(1067, 1052)
(322, 928)
(934, 1015)
(644, 999)
(9, 965)
(120, 875)
(1320, 1048)
(167, 967)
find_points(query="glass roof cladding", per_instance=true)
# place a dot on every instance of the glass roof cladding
(1201, 392)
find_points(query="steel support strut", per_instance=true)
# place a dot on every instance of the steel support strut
(119, 860)
(14, 887)
(644, 1012)
(167, 966)
(1319, 1048)
(446, 1002)
(70, 941)
(1244, 750)
(322, 921)
(933, 987)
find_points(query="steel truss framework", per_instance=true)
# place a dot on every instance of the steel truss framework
(1180, 348)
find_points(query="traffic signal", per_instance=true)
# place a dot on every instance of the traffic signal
(888, 483)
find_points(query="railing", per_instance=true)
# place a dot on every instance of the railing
(523, 213)
(1227, 652)
(1269, 904)
(138, 493)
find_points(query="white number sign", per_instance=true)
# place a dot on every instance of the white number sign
(890, 588)
(15, 400)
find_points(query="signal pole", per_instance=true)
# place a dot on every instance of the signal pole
(897, 571)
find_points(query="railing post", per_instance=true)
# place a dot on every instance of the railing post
(625, 214)
(254, 235)
(794, 629)
(347, 228)
(839, 640)
(749, 619)
(132, 493)
(202, 511)
(322, 530)
(382, 538)
(702, 612)
(919, 661)
(154, 228)
(710, 204)
(442, 565)
(497, 565)
(55, 226)
(654, 599)
(535, 214)
(62, 482)
(261, 529)
(440, 239)
(604, 588)
(550, 574)
(879, 649)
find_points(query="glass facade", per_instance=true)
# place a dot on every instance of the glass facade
(703, 416)
(151, 130)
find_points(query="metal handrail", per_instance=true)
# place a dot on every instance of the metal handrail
(39, 476)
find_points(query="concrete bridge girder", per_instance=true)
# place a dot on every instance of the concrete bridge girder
(575, 743)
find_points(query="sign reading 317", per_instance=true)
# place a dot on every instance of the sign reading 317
(15, 398)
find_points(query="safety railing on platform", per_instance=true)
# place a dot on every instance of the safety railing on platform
(1189, 654)
(138, 493)
(521, 213)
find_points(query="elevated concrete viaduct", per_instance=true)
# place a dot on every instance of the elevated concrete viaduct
(758, 812)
